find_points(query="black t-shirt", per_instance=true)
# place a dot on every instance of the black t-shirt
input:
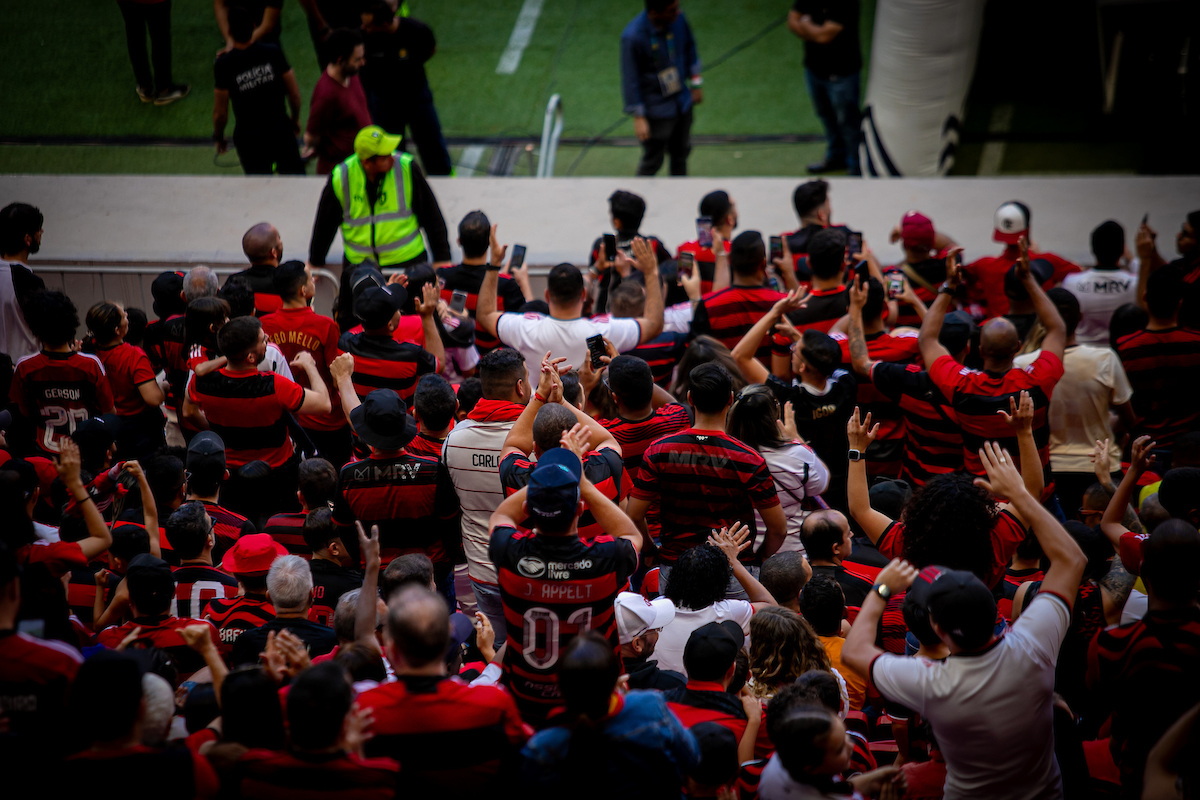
(396, 61)
(821, 418)
(318, 639)
(257, 8)
(839, 57)
(330, 582)
(254, 79)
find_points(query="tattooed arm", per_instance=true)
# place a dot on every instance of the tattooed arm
(1114, 589)
(859, 358)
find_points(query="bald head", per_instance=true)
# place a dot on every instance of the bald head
(419, 626)
(999, 340)
(259, 242)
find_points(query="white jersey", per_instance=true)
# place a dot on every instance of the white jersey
(16, 340)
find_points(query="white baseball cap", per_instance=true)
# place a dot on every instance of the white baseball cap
(637, 616)
(1011, 223)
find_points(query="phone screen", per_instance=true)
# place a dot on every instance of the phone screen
(853, 243)
(596, 348)
(704, 231)
(610, 247)
(458, 301)
(776, 247)
(686, 262)
(518, 256)
(895, 286)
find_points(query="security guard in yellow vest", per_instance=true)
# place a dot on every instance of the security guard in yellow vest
(382, 202)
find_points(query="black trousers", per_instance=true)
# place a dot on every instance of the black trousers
(397, 115)
(155, 18)
(673, 136)
(269, 153)
(333, 446)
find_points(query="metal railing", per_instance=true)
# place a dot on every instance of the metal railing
(552, 128)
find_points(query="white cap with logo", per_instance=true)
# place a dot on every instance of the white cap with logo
(637, 616)
(1011, 222)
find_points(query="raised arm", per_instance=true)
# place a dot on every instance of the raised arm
(1021, 421)
(69, 464)
(368, 598)
(427, 308)
(721, 273)
(859, 650)
(651, 320)
(732, 541)
(316, 396)
(1056, 330)
(860, 360)
(486, 314)
(520, 436)
(1110, 524)
(149, 508)
(931, 325)
(745, 350)
(1067, 561)
(341, 370)
(858, 495)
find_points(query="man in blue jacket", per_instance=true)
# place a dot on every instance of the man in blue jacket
(659, 65)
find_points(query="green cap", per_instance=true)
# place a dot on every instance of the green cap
(374, 141)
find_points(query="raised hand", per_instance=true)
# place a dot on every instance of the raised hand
(369, 546)
(1021, 417)
(69, 461)
(576, 440)
(860, 432)
(341, 367)
(303, 360)
(197, 637)
(1023, 260)
(1003, 480)
(428, 301)
(795, 300)
(787, 425)
(485, 636)
(898, 575)
(1142, 458)
(731, 540)
(954, 267)
(1102, 463)
(498, 250)
(643, 253)
(858, 296)
(357, 731)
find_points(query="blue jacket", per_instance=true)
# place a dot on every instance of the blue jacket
(644, 53)
(640, 749)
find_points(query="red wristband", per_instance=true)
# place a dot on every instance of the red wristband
(538, 397)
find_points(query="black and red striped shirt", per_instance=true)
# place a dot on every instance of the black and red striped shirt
(233, 616)
(166, 347)
(288, 775)
(423, 445)
(162, 632)
(287, 528)
(1162, 369)
(330, 582)
(662, 353)
(452, 738)
(469, 278)
(410, 498)
(380, 362)
(977, 396)
(35, 676)
(729, 314)
(1007, 590)
(302, 330)
(705, 260)
(602, 467)
(635, 436)
(884, 454)
(261, 278)
(554, 587)
(706, 701)
(703, 480)
(933, 442)
(57, 391)
(228, 527)
(1007, 535)
(196, 585)
(248, 410)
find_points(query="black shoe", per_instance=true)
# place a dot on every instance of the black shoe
(171, 94)
(146, 96)
(822, 167)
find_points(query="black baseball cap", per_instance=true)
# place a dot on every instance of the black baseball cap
(461, 629)
(5, 419)
(712, 648)
(151, 574)
(206, 454)
(963, 607)
(376, 304)
(956, 333)
(382, 421)
(916, 606)
(365, 275)
(554, 486)
(166, 290)
(94, 435)
(891, 496)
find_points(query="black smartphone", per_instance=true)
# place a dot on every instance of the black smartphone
(776, 247)
(704, 231)
(458, 301)
(518, 256)
(595, 346)
(687, 262)
(610, 247)
(1146, 218)
(861, 273)
(853, 242)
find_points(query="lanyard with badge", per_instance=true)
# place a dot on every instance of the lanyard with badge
(668, 79)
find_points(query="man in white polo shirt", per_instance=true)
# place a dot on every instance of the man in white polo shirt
(565, 332)
(990, 704)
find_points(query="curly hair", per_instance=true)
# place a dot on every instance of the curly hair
(699, 578)
(949, 522)
(783, 647)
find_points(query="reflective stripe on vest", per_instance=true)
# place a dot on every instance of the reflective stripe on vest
(387, 233)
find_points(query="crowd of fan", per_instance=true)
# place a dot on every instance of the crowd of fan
(750, 521)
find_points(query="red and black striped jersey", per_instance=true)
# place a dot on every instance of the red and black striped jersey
(635, 436)
(59, 557)
(933, 442)
(233, 616)
(469, 278)
(729, 314)
(702, 480)
(287, 775)
(602, 467)
(554, 587)
(175, 770)
(704, 701)
(410, 498)
(706, 262)
(228, 527)
(261, 278)
(248, 411)
(1007, 590)
(1145, 673)
(330, 582)
(977, 396)
(1162, 369)
(662, 353)
(884, 454)
(423, 445)
(855, 585)
(57, 391)
(162, 632)
(127, 368)
(381, 362)
(287, 528)
(302, 330)
(823, 308)
(1007, 535)
(196, 585)
(452, 738)
(163, 342)
(35, 676)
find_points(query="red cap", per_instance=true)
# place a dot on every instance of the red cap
(46, 473)
(916, 230)
(252, 555)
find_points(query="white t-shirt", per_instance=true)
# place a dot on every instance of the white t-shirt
(991, 712)
(678, 318)
(669, 650)
(1100, 292)
(533, 335)
(1093, 380)
(797, 473)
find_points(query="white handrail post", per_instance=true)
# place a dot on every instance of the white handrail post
(552, 128)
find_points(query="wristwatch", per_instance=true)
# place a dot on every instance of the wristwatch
(882, 590)
(946, 289)
(490, 267)
(856, 455)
